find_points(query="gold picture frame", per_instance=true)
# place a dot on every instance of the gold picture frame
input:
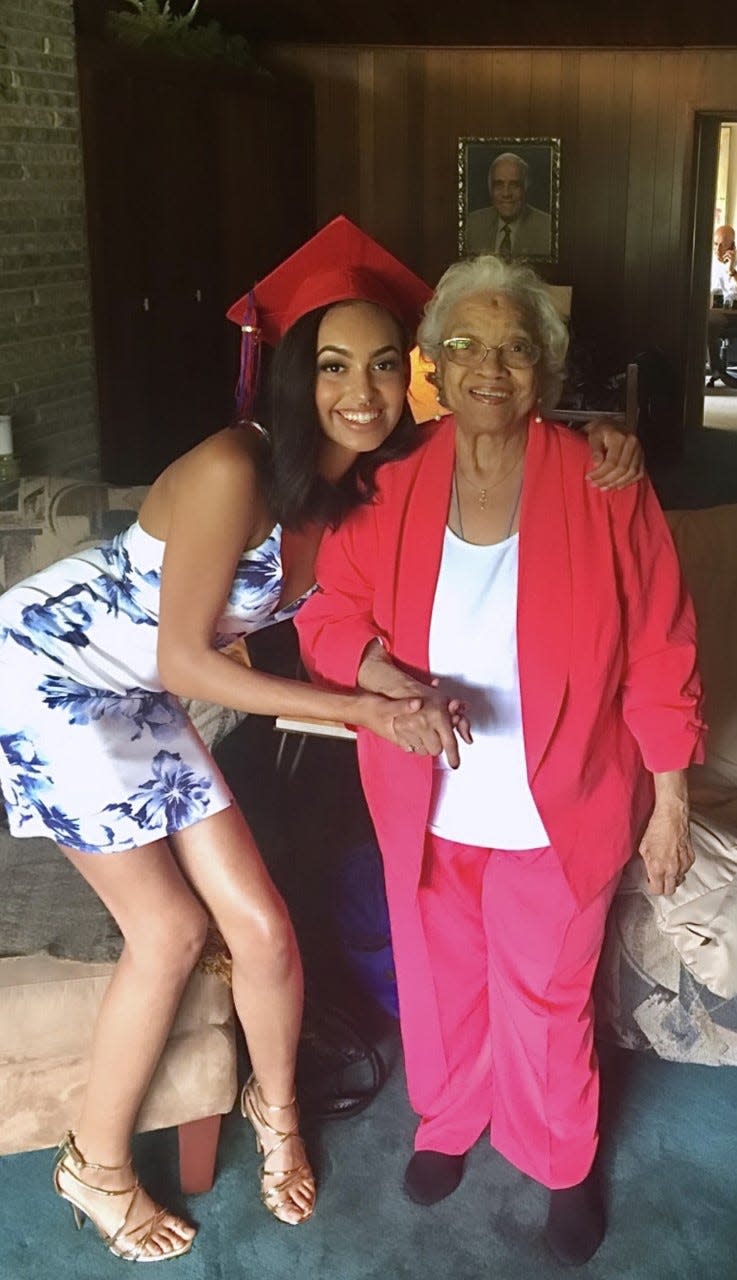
(517, 212)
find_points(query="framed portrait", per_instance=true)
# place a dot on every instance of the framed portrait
(508, 193)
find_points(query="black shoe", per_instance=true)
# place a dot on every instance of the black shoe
(432, 1175)
(576, 1223)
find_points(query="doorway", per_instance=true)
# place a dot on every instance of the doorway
(711, 380)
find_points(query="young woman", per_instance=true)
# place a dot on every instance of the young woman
(97, 753)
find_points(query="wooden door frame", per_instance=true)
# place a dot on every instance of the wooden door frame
(706, 158)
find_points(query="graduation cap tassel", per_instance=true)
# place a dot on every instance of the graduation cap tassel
(245, 392)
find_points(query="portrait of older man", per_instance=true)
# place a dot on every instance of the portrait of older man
(509, 226)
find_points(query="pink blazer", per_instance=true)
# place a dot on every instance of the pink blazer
(606, 638)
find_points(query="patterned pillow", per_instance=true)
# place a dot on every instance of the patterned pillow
(44, 518)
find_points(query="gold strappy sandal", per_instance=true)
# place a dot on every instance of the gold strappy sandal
(275, 1194)
(123, 1243)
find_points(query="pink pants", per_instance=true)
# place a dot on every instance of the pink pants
(513, 959)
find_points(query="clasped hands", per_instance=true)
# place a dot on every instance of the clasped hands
(432, 728)
(425, 722)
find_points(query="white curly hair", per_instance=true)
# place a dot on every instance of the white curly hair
(517, 281)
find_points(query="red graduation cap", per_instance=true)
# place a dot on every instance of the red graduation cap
(340, 263)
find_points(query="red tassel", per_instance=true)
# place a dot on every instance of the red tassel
(245, 392)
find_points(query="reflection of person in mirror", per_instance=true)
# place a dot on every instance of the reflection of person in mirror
(509, 226)
(723, 268)
(724, 283)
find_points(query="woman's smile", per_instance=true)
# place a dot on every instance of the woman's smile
(491, 395)
(360, 417)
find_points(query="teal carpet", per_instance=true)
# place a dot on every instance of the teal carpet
(668, 1157)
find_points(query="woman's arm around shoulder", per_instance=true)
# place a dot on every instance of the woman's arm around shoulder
(613, 459)
(617, 456)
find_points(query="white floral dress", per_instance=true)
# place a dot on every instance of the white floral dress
(94, 752)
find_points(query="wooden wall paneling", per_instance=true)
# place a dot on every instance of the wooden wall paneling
(511, 71)
(266, 205)
(545, 93)
(445, 83)
(640, 194)
(181, 265)
(545, 121)
(331, 74)
(116, 219)
(689, 96)
(594, 213)
(662, 316)
(395, 196)
(471, 99)
(337, 170)
(368, 108)
(590, 257)
(570, 176)
(688, 89)
(618, 185)
(271, 137)
(718, 89)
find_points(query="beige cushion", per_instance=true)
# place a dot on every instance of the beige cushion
(707, 548)
(48, 1009)
(701, 916)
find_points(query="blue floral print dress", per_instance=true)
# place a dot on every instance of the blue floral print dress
(94, 752)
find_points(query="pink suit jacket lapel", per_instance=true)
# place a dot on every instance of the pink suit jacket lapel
(544, 600)
(421, 549)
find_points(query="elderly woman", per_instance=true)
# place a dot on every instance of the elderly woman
(488, 569)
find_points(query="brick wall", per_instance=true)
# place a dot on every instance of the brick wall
(47, 377)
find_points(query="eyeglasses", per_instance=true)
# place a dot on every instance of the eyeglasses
(517, 354)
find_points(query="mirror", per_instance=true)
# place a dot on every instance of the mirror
(720, 392)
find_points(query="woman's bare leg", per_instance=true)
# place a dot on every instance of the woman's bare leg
(220, 859)
(163, 927)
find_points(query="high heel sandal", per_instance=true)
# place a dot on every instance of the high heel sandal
(123, 1243)
(275, 1196)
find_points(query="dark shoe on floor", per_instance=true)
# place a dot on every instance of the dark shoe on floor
(432, 1175)
(576, 1222)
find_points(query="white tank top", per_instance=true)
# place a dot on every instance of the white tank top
(473, 649)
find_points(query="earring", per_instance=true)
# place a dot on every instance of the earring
(538, 415)
(434, 379)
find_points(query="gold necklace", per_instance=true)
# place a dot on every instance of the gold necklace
(512, 514)
(482, 494)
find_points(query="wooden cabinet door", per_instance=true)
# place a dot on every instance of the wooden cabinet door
(116, 221)
(183, 317)
(196, 186)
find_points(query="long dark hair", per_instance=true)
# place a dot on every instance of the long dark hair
(299, 494)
